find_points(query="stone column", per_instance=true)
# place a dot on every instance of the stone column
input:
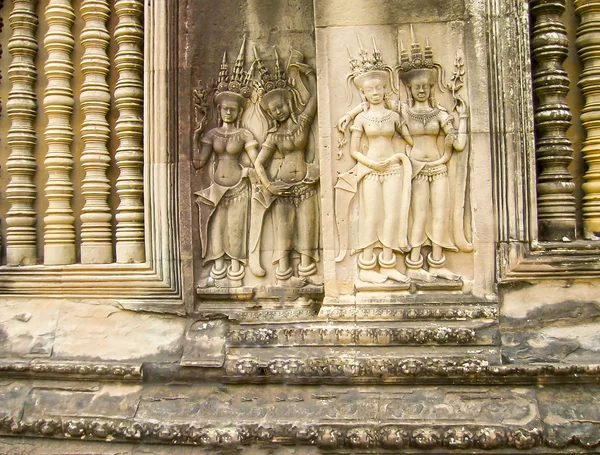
(96, 229)
(22, 109)
(549, 46)
(129, 95)
(59, 233)
(588, 42)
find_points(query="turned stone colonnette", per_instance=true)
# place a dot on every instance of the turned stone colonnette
(60, 243)
(549, 47)
(588, 44)
(59, 230)
(22, 110)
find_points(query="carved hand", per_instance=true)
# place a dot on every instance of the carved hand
(342, 123)
(379, 166)
(201, 125)
(278, 188)
(312, 172)
(303, 67)
(461, 106)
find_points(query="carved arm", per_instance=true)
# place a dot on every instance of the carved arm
(201, 151)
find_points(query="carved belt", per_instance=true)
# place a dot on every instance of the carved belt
(394, 170)
(432, 173)
(297, 193)
(236, 192)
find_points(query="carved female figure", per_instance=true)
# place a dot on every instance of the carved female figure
(293, 183)
(224, 204)
(381, 177)
(432, 213)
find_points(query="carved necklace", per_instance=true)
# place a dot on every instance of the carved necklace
(229, 135)
(422, 116)
(378, 119)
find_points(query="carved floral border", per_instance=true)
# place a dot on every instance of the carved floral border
(326, 436)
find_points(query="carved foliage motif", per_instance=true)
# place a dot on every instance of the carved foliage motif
(324, 436)
(337, 336)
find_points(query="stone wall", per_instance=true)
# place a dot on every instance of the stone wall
(298, 227)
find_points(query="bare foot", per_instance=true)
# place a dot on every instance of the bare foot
(443, 272)
(395, 275)
(292, 282)
(206, 282)
(420, 274)
(371, 276)
(223, 283)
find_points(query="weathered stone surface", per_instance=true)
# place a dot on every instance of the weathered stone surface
(28, 327)
(106, 332)
(561, 326)
(12, 397)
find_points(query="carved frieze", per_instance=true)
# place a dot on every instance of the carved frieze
(350, 336)
(324, 436)
(259, 179)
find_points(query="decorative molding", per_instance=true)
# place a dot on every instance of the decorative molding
(21, 233)
(350, 336)
(555, 185)
(404, 312)
(326, 436)
(321, 369)
(96, 227)
(401, 370)
(129, 99)
(71, 370)
(588, 45)
(59, 229)
(522, 261)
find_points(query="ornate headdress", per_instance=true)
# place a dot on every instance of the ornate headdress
(418, 60)
(238, 85)
(268, 84)
(365, 67)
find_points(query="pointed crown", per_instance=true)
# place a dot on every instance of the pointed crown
(417, 58)
(240, 81)
(268, 82)
(366, 64)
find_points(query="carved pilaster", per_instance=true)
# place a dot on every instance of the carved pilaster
(549, 46)
(59, 233)
(96, 229)
(129, 93)
(22, 109)
(588, 42)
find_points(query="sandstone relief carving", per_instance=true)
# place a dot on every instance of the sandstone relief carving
(290, 181)
(223, 206)
(262, 173)
(381, 176)
(411, 171)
